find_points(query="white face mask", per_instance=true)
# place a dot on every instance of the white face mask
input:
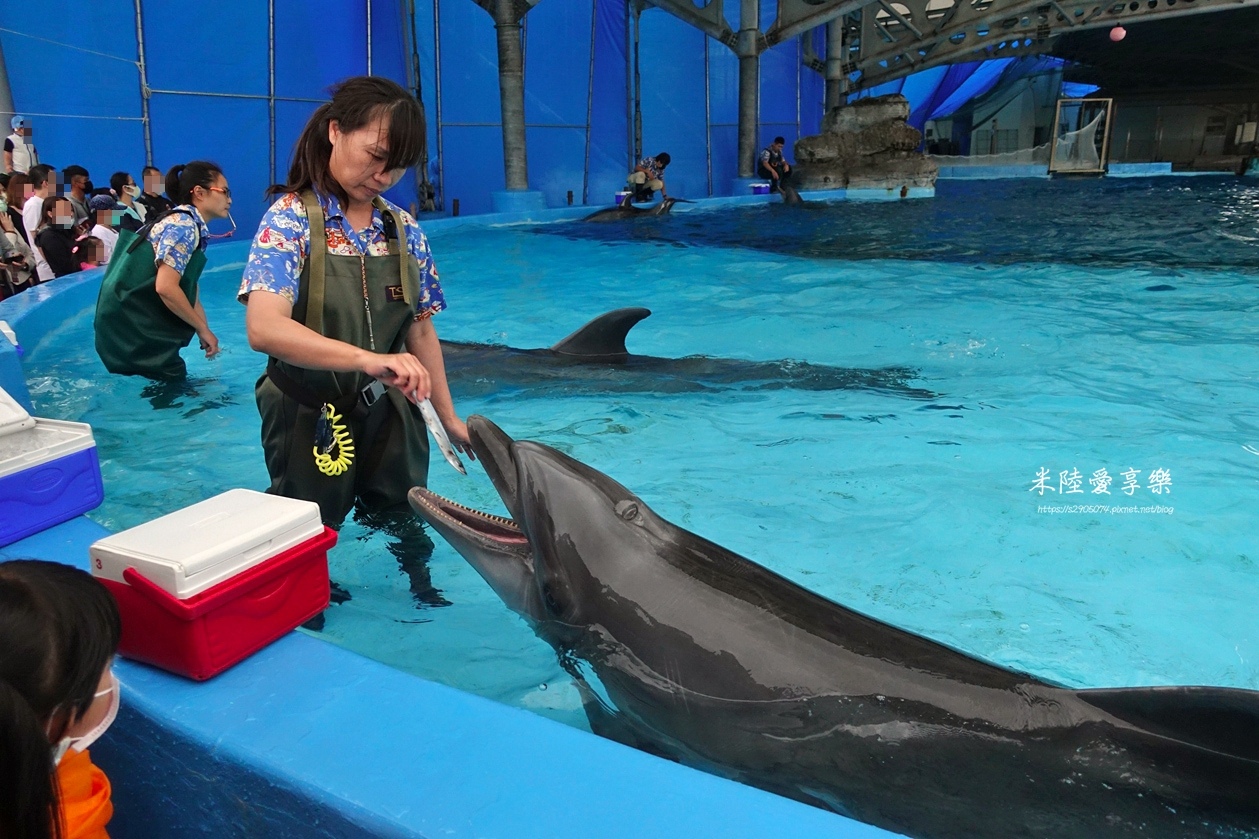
(80, 743)
(4, 206)
(132, 190)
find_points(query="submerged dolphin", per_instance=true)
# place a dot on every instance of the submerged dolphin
(691, 651)
(628, 210)
(594, 358)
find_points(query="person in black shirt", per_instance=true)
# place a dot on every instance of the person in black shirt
(56, 237)
(155, 203)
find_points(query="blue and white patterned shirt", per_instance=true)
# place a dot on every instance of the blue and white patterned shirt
(175, 237)
(652, 167)
(279, 250)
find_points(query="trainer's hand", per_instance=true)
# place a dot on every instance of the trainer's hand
(401, 370)
(457, 431)
(209, 342)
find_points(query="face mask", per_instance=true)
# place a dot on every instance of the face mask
(4, 206)
(132, 190)
(80, 743)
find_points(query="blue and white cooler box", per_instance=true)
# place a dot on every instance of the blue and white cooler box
(49, 472)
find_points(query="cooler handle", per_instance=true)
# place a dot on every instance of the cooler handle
(152, 591)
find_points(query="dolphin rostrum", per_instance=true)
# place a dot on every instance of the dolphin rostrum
(595, 358)
(629, 210)
(693, 652)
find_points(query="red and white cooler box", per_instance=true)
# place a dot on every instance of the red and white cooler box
(206, 586)
(49, 472)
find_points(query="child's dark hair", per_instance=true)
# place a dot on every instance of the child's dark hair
(663, 158)
(59, 628)
(356, 102)
(182, 179)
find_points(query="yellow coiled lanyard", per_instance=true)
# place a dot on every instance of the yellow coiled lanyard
(330, 431)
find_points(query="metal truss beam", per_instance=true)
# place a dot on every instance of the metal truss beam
(710, 19)
(899, 37)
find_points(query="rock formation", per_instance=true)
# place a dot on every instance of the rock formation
(865, 145)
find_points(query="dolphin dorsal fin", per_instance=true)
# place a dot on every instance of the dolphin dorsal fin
(603, 337)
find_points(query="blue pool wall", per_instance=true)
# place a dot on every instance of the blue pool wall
(307, 739)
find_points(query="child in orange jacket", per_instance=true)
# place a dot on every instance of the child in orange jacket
(59, 629)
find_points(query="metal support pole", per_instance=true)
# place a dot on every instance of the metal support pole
(144, 86)
(7, 108)
(835, 81)
(437, 93)
(369, 37)
(271, 88)
(636, 120)
(511, 87)
(708, 117)
(749, 83)
(590, 102)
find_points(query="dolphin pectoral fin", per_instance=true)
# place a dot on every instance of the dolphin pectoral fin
(604, 337)
(1221, 720)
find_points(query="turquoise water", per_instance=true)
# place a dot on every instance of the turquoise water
(917, 512)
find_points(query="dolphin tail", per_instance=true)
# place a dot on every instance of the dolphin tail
(1220, 720)
(604, 337)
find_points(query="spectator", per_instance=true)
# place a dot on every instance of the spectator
(59, 630)
(16, 191)
(151, 198)
(19, 152)
(648, 177)
(43, 185)
(125, 190)
(89, 252)
(77, 184)
(56, 236)
(107, 213)
(16, 260)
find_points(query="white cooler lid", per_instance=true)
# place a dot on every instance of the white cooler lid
(45, 440)
(13, 417)
(190, 550)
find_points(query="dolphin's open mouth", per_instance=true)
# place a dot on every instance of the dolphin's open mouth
(486, 525)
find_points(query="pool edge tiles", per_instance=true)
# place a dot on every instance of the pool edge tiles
(307, 736)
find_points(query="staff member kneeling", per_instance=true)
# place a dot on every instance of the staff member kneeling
(340, 288)
(149, 307)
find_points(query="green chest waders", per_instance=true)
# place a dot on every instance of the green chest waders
(389, 438)
(136, 335)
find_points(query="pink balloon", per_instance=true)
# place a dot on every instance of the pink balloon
(1118, 33)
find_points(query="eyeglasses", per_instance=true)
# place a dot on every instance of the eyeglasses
(227, 193)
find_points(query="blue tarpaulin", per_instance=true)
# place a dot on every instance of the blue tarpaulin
(236, 81)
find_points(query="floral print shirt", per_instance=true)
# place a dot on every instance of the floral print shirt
(175, 237)
(652, 167)
(279, 250)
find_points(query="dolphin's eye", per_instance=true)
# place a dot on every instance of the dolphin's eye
(627, 510)
(549, 597)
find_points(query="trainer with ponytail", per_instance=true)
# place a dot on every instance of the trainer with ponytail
(149, 306)
(59, 629)
(341, 290)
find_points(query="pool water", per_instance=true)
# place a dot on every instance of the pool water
(1064, 325)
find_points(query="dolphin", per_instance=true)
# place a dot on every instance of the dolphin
(595, 358)
(628, 210)
(691, 651)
